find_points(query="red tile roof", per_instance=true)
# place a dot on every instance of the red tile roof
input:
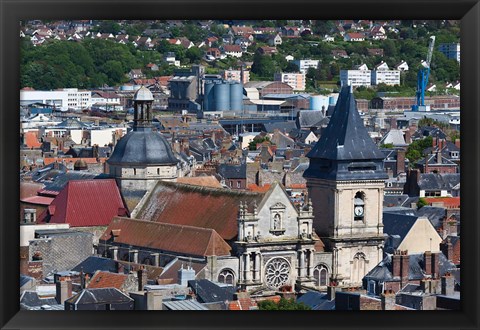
(242, 304)
(107, 280)
(203, 207)
(84, 203)
(167, 237)
(31, 140)
(448, 202)
(40, 200)
(261, 189)
(29, 189)
(204, 181)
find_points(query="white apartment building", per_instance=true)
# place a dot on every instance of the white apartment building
(388, 77)
(356, 78)
(294, 80)
(304, 65)
(450, 50)
(62, 99)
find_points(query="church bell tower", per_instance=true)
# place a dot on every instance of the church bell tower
(345, 181)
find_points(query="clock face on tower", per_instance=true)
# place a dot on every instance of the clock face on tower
(358, 211)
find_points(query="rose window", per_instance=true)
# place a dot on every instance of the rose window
(277, 272)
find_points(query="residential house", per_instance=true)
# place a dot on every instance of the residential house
(354, 36)
(431, 184)
(136, 73)
(275, 40)
(152, 66)
(215, 53)
(339, 53)
(328, 38)
(234, 175)
(402, 66)
(266, 50)
(377, 33)
(242, 30)
(232, 50)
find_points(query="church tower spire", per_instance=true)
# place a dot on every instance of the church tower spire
(345, 181)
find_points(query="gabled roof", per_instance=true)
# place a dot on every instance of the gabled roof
(309, 118)
(398, 224)
(394, 136)
(207, 207)
(103, 279)
(438, 181)
(233, 171)
(99, 296)
(345, 137)
(86, 203)
(167, 237)
(93, 263)
(209, 292)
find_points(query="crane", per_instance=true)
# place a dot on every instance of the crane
(422, 80)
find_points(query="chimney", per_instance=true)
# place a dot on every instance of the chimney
(408, 137)
(63, 289)
(448, 284)
(393, 123)
(447, 249)
(439, 156)
(427, 262)
(388, 300)
(435, 265)
(185, 275)
(404, 267)
(142, 278)
(396, 264)
(400, 161)
(425, 170)
(331, 289)
(457, 143)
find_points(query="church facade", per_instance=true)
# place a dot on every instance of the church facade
(267, 242)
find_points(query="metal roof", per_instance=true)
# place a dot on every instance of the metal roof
(185, 305)
(86, 203)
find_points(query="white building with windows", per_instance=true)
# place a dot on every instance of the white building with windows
(62, 99)
(451, 50)
(383, 75)
(361, 76)
(294, 80)
(304, 65)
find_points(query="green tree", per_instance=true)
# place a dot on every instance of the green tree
(109, 27)
(263, 66)
(194, 54)
(283, 304)
(421, 202)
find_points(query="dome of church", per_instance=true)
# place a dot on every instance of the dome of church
(80, 165)
(143, 148)
(143, 94)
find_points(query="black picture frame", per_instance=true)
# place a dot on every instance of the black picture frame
(12, 11)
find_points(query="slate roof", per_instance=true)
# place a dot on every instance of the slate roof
(282, 126)
(71, 123)
(99, 296)
(103, 279)
(144, 148)
(233, 171)
(59, 181)
(85, 203)
(316, 301)
(398, 224)
(345, 137)
(31, 299)
(432, 160)
(434, 214)
(167, 200)
(383, 271)
(282, 141)
(438, 181)
(394, 136)
(209, 292)
(167, 237)
(309, 118)
(93, 263)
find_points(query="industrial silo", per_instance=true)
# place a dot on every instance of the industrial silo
(208, 97)
(332, 99)
(236, 96)
(222, 96)
(317, 102)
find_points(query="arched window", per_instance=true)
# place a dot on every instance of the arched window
(320, 273)
(358, 267)
(359, 206)
(226, 276)
(134, 171)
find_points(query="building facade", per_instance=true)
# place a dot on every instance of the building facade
(345, 181)
(295, 80)
(450, 50)
(356, 77)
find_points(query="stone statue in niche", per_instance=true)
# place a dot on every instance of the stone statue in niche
(276, 221)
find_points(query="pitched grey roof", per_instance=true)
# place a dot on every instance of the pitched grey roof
(309, 118)
(438, 181)
(185, 305)
(209, 292)
(231, 171)
(394, 136)
(345, 137)
(93, 263)
(398, 224)
(98, 296)
(31, 299)
(317, 301)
